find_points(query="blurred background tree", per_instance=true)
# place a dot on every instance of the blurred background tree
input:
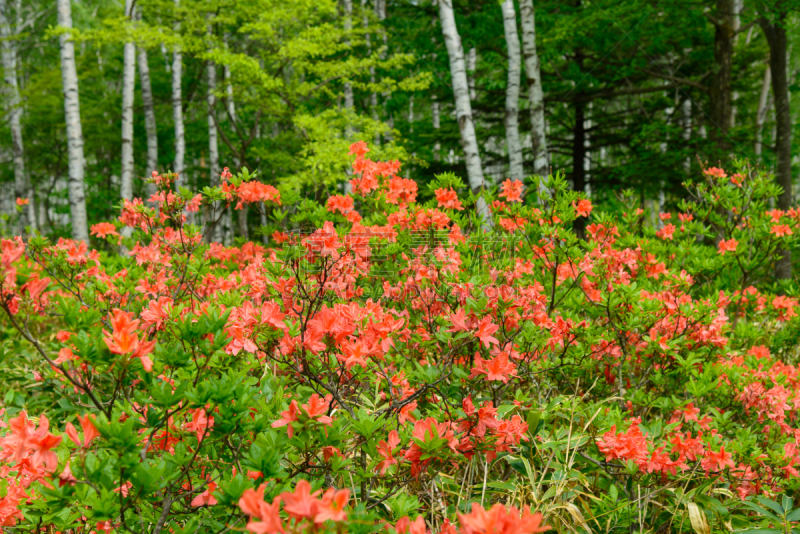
(633, 93)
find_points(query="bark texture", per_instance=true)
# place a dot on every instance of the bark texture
(724, 21)
(72, 112)
(579, 159)
(512, 91)
(215, 234)
(149, 113)
(177, 105)
(761, 115)
(128, 84)
(775, 32)
(22, 187)
(458, 73)
(535, 93)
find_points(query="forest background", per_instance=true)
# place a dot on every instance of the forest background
(623, 94)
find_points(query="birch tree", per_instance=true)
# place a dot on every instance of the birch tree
(348, 87)
(512, 91)
(69, 78)
(761, 113)
(128, 83)
(373, 97)
(177, 103)
(458, 73)
(535, 93)
(149, 112)
(213, 149)
(22, 188)
(226, 72)
(226, 228)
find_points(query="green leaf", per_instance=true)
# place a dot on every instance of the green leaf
(771, 504)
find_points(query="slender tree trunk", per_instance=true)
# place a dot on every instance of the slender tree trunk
(761, 115)
(149, 113)
(775, 32)
(69, 77)
(587, 158)
(348, 88)
(720, 90)
(177, 104)
(241, 219)
(226, 226)
(373, 97)
(436, 119)
(458, 74)
(738, 6)
(215, 233)
(535, 93)
(512, 92)
(347, 187)
(472, 66)
(128, 84)
(22, 186)
(226, 72)
(686, 124)
(380, 11)
(579, 158)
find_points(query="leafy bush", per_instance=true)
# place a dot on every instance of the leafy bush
(403, 365)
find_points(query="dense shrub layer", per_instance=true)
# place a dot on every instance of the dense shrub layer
(386, 364)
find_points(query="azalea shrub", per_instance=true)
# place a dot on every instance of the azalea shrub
(394, 360)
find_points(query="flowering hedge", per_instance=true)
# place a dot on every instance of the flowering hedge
(388, 364)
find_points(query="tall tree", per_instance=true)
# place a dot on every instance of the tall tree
(22, 189)
(177, 102)
(226, 72)
(773, 23)
(512, 91)
(128, 84)
(149, 112)
(348, 87)
(216, 233)
(761, 112)
(724, 21)
(72, 112)
(373, 96)
(535, 93)
(466, 125)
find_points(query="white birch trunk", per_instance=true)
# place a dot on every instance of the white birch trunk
(380, 11)
(263, 219)
(761, 115)
(69, 77)
(177, 105)
(22, 187)
(167, 62)
(347, 187)
(535, 94)
(373, 97)
(226, 72)
(348, 88)
(128, 83)
(472, 66)
(149, 117)
(587, 158)
(512, 92)
(241, 219)
(213, 147)
(436, 116)
(686, 120)
(458, 73)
